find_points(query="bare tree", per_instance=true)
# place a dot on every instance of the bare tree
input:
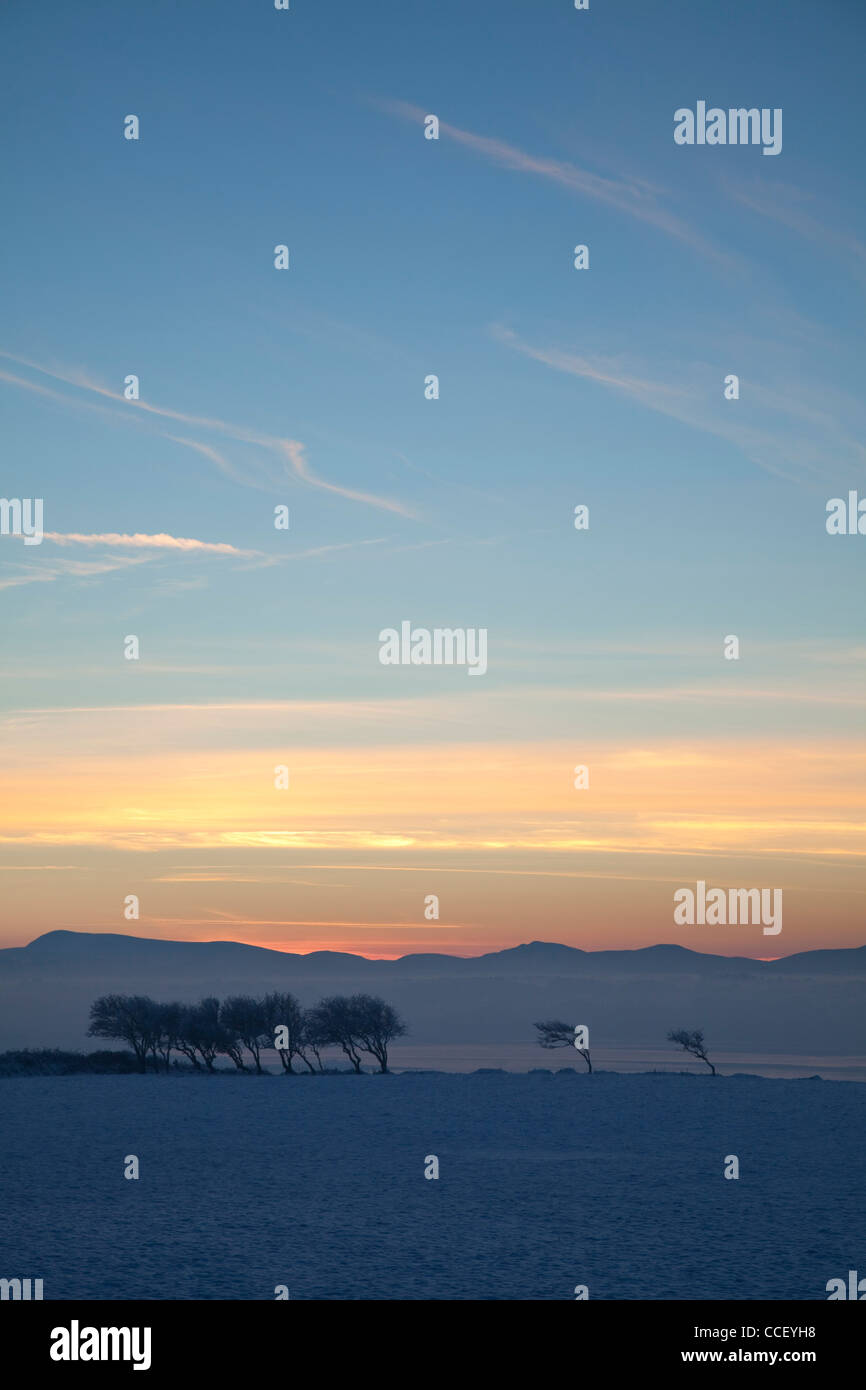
(184, 1041)
(129, 1017)
(555, 1033)
(245, 1022)
(284, 1011)
(377, 1024)
(336, 1021)
(313, 1040)
(165, 1029)
(692, 1042)
(201, 1032)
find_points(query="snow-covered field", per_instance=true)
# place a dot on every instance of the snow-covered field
(545, 1182)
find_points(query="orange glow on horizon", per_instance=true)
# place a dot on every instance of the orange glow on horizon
(348, 852)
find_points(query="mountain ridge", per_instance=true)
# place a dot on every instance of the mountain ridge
(627, 998)
(63, 943)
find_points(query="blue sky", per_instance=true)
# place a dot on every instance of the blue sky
(452, 257)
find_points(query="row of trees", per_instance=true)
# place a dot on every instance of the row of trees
(242, 1027)
(554, 1033)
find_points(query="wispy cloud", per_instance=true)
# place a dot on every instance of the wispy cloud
(224, 465)
(68, 569)
(290, 453)
(633, 196)
(295, 454)
(139, 541)
(151, 547)
(793, 453)
(40, 868)
(34, 386)
(315, 551)
(790, 206)
(604, 371)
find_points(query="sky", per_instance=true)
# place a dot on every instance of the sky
(305, 388)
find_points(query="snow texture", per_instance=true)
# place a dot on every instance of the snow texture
(546, 1181)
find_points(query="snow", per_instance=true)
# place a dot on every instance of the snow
(546, 1181)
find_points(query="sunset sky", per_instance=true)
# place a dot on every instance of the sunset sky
(259, 647)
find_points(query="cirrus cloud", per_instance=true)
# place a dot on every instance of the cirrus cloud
(140, 541)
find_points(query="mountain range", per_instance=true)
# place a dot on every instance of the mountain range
(812, 1001)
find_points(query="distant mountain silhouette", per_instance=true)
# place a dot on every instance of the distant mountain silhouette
(810, 1001)
(532, 956)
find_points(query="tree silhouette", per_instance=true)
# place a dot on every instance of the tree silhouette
(284, 1011)
(336, 1021)
(130, 1017)
(377, 1025)
(692, 1042)
(245, 1021)
(166, 1031)
(201, 1032)
(555, 1033)
(314, 1039)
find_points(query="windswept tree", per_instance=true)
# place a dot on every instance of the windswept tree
(286, 1026)
(692, 1042)
(166, 1031)
(184, 1042)
(201, 1031)
(129, 1017)
(314, 1039)
(230, 1043)
(335, 1022)
(377, 1025)
(555, 1033)
(244, 1021)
